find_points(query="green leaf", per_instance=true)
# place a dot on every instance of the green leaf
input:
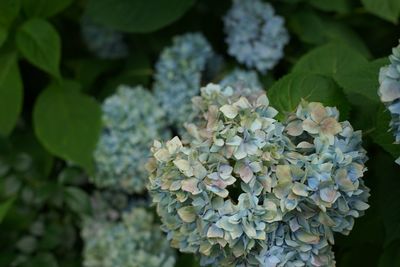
(286, 94)
(9, 10)
(40, 44)
(314, 29)
(137, 15)
(3, 35)
(331, 59)
(391, 255)
(4, 207)
(385, 9)
(11, 92)
(363, 80)
(44, 8)
(382, 136)
(68, 124)
(87, 70)
(339, 6)
(77, 200)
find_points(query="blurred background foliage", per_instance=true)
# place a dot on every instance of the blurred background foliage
(51, 87)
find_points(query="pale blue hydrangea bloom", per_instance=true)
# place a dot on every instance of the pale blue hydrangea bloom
(389, 91)
(241, 79)
(256, 36)
(131, 119)
(292, 247)
(103, 42)
(178, 75)
(132, 241)
(248, 190)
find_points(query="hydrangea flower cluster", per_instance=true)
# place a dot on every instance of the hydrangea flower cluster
(389, 91)
(248, 190)
(241, 79)
(178, 74)
(134, 241)
(103, 42)
(255, 35)
(132, 118)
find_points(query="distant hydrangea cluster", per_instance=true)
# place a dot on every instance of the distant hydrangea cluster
(255, 35)
(248, 190)
(240, 79)
(389, 91)
(133, 241)
(103, 42)
(131, 119)
(178, 75)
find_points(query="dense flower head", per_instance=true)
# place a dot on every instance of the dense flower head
(241, 79)
(178, 74)
(131, 119)
(256, 36)
(133, 241)
(248, 190)
(103, 42)
(389, 91)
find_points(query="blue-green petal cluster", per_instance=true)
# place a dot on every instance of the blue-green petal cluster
(131, 119)
(389, 91)
(241, 79)
(290, 247)
(256, 36)
(248, 190)
(103, 42)
(133, 241)
(178, 75)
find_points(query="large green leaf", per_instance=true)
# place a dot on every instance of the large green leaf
(44, 8)
(4, 207)
(137, 15)
(40, 44)
(332, 59)
(386, 9)
(68, 124)
(363, 80)
(340, 6)
(381, 135)
(9, 10)
(3, 35)
(286, 94)
(10, 93)
(315, 29)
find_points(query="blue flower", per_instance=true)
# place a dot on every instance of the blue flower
(131, 118)
(103, 42)
(131, 240)
(178, 75)
(389, 91)
(255, 35)
(245, 189)
(242, 79)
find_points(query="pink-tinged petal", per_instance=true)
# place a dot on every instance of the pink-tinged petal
(295, 128)
(190, 185)
(330, 126)
(310, 126)
(318, 112)
(245, 174)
